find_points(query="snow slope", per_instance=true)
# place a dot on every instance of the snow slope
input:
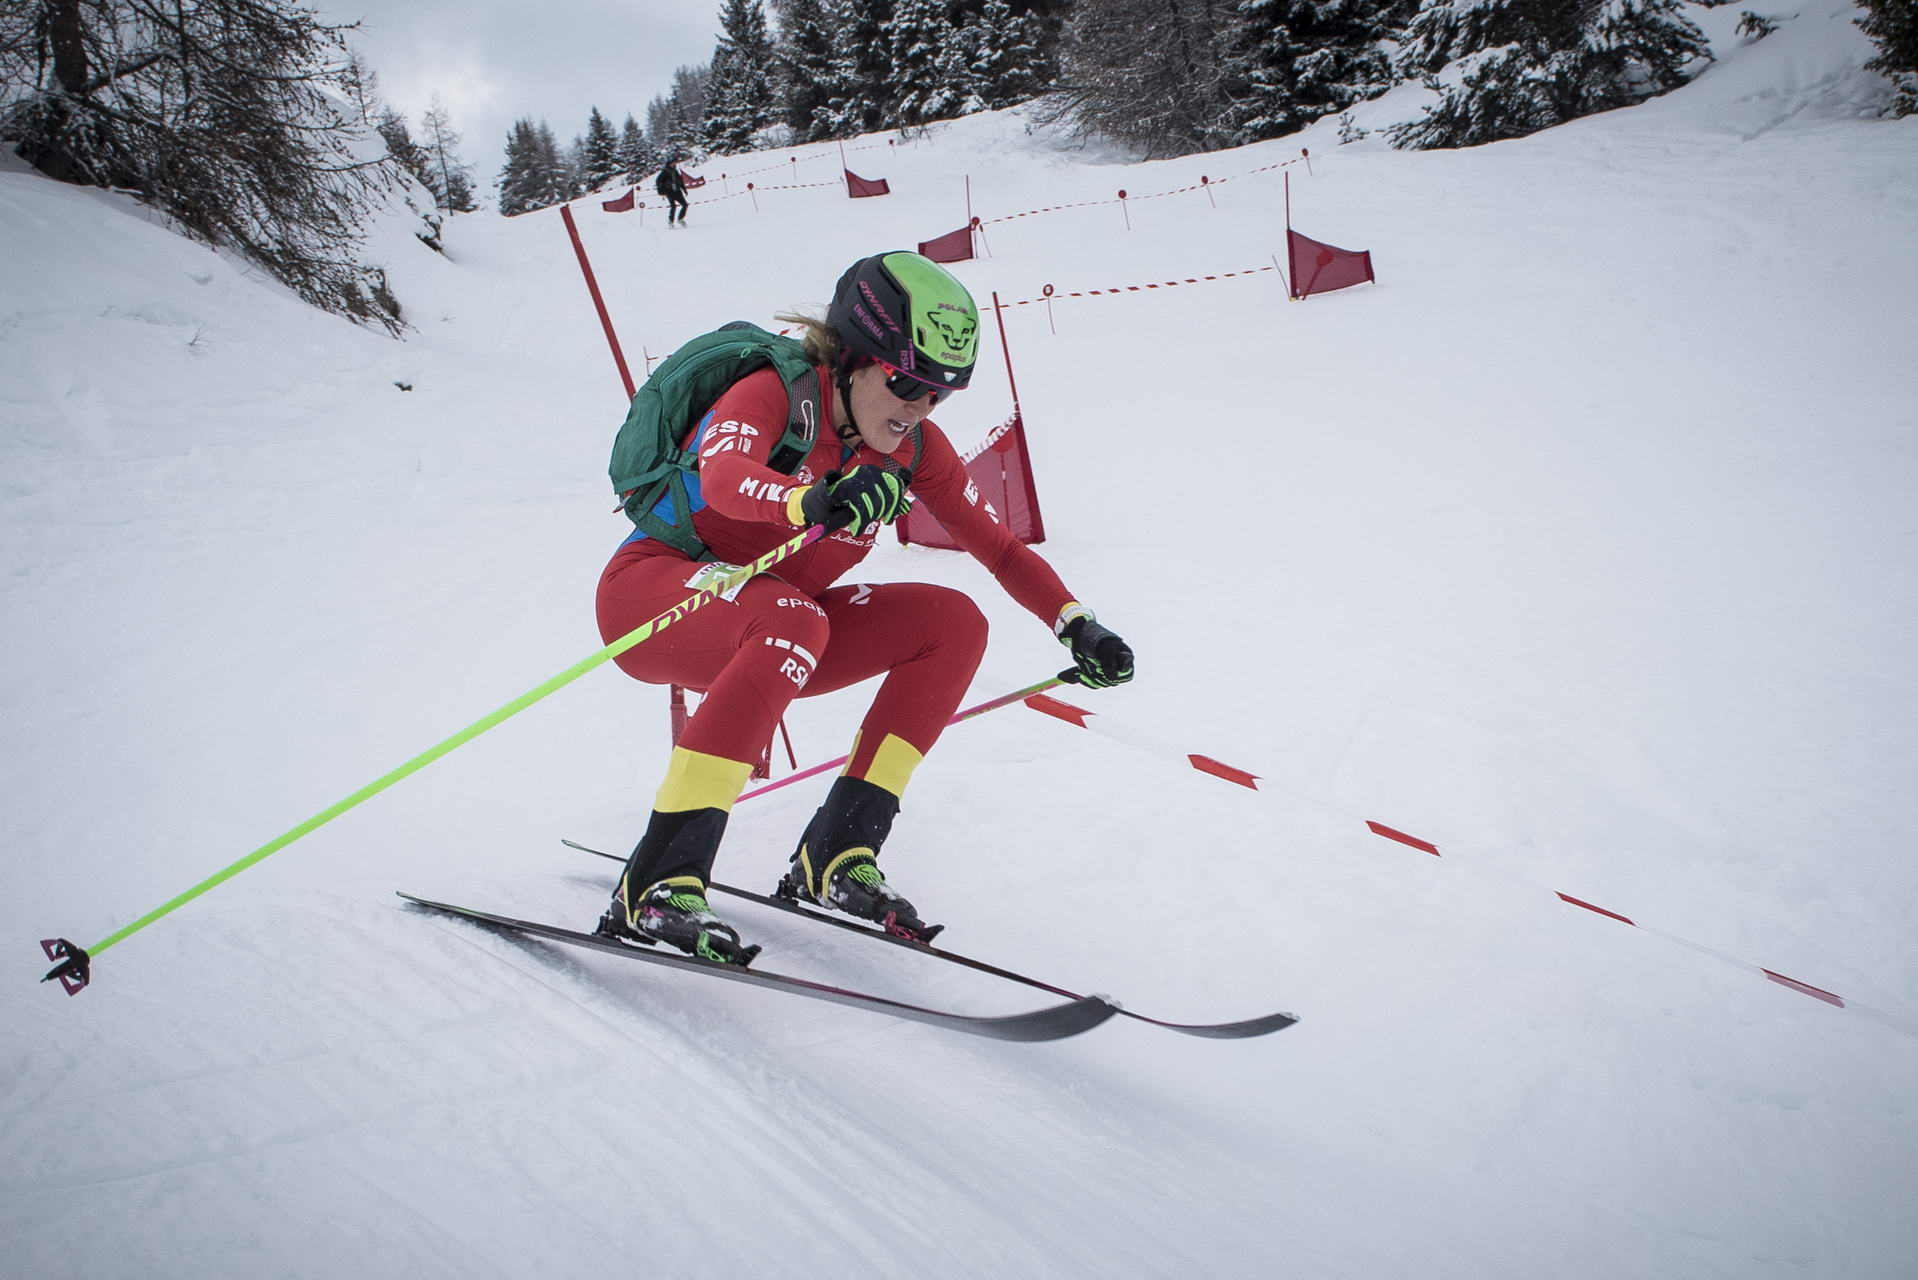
(1581, 545)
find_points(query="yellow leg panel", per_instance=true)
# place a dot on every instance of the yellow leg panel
(695, 780)
(892, 764)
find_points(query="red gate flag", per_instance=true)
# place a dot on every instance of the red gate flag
(1002, 474)
(622, 205)
(954, 246)
(1321, 268)
(857, 186)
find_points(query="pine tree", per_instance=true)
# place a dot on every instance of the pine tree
(536, 174)
(740, 99)
(857, 89)
(599, 153)
(398, 137)
(1007, 65)
(719, 125)
(916, 36)
(519, 182)
(572, 169)
(805, 60)
(556, 174)
(961, 85)
(682, 116)
(637, 155)
(662, 121)
(1512, 67)
(1045, 22)
(1893, 27)
(451, 180)
(1295, 61)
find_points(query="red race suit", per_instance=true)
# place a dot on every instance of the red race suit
(792, 632)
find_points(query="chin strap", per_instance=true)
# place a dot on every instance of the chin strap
(846, 427)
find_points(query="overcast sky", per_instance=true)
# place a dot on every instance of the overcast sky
(492, 61)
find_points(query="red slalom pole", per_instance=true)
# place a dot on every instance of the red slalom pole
(599, 303)
(1002, 700)
(999, 314)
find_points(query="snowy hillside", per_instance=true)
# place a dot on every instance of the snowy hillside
(1582, 545)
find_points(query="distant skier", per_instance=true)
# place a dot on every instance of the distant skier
(671, 183)
(900, 336)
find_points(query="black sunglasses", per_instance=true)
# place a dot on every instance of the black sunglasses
(909, 387)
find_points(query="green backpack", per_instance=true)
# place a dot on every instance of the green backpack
(649, 466)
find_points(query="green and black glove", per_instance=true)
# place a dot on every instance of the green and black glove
(860, 497)
(1103, 658)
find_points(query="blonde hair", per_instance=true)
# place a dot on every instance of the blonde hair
(822, 343)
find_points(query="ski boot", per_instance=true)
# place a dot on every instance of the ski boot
(675, 912)
(662, 893)
(837, 862)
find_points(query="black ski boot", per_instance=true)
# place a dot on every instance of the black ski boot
(662, 894)
(675, 912)
(837, 862)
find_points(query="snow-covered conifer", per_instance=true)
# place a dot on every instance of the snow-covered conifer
(740, 97)
(1507, 68)
(1008, 65)
(599, 153)
(677, 123)
(519, 181)
(804, 56)
(916, 36)
(1893, 27)
(858, 96)
(398, 137)
(637, 155)
(1294, 61)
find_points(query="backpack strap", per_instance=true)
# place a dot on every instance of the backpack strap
(802, 423)
(678, 457)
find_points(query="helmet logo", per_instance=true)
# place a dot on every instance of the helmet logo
(958, 329)
(878, 307)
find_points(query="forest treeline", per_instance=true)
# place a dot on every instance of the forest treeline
(251, 123)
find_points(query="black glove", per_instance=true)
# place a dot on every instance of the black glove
(1104, 659)
(861, 496)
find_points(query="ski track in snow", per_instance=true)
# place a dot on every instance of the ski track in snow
(1581, 545)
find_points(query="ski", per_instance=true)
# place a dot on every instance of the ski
(1055, 1022)
(1241, 1030)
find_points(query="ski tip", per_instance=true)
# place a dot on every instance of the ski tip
(1243, 1030)
(586, 848)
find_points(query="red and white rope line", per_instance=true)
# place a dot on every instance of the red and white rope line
(992, 437)
(825, 153)
(1047, 294)
(1205, 764)
(751, 189)
(1200, 185)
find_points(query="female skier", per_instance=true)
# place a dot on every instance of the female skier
(900, 336)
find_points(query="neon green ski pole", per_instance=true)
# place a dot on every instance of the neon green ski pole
(74, 964)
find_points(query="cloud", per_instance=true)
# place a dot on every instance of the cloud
(493, 61)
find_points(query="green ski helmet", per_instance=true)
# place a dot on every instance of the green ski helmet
(910, 312)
